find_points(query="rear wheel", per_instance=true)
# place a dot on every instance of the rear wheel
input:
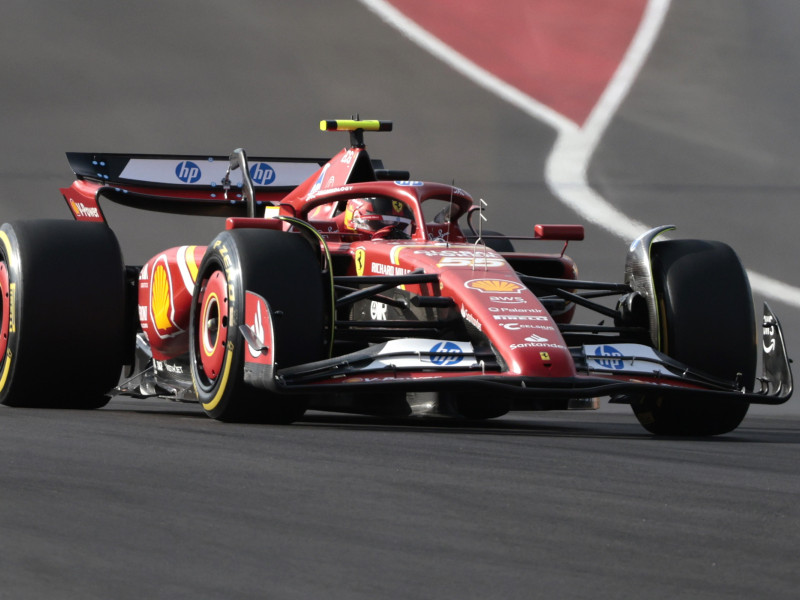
(62, 321)
(706, 321)
(281, 268)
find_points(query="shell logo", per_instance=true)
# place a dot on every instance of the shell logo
(492, 286)
(161, 301)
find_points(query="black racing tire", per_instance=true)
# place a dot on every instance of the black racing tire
(283, 269)
(62, 324)
(481, 406)
(707, 322)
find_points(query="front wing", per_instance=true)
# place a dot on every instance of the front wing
(629, 372)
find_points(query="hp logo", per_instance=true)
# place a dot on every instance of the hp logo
(188, 172)
(447, 353)
(262, 174)
(609, 362)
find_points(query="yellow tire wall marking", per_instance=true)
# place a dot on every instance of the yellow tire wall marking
(12, 310)
(223, 382)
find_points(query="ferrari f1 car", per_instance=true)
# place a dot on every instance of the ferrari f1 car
(341, 285)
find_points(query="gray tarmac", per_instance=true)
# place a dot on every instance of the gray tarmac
(152, 499)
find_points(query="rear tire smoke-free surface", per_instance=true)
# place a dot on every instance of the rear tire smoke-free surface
(707, 322)
(280, 267)
(62, 330)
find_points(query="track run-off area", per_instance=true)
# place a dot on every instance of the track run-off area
(578, 110)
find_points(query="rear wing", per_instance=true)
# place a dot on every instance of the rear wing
(183, 184)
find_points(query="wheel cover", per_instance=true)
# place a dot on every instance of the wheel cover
(213, 325)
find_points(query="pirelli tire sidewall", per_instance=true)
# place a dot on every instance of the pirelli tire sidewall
(10, 295)
(62, 287)
(280, 267)
(216, 391)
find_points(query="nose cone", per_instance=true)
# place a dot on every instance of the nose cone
(513, 319)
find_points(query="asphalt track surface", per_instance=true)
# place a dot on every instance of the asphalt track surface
(147, 499)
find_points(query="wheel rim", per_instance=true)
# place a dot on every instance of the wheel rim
(213, 325)
(5, 310)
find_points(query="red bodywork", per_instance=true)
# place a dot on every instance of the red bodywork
(487, 291)
(504, 317)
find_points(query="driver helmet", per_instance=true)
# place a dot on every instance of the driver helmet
(370, 215)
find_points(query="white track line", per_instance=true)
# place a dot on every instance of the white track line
(565, 171)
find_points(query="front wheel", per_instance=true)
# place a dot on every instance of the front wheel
(281, 268)
(706, 321)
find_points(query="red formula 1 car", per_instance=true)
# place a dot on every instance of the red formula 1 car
(340, 285)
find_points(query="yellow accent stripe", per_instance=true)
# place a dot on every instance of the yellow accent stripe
(191, 263)
(394, 254)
